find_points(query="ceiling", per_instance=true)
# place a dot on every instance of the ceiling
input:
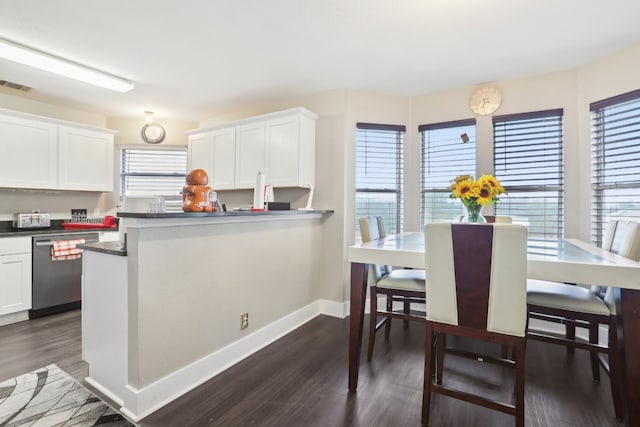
(193, 59)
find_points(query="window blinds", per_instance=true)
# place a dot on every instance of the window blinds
(152, 172)
(615, 142)
(379, 174)
(443, 156)
(528, 161)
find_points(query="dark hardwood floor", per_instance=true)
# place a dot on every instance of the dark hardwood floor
(301, 380)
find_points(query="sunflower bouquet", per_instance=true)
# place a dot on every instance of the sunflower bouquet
(476, 193)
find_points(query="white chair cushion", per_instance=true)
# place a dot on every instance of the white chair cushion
(565, 297)
(410, 280)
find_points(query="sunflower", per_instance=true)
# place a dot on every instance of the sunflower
(492, 183)
(485, 195)
(463, 189)
(483, 191)
(457, 180)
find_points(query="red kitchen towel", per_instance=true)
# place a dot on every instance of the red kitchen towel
(62, 250)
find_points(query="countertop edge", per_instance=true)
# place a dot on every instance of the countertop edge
(111, 248)
(229, 214)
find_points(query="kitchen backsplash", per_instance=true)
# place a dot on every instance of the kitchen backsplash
(56, 203)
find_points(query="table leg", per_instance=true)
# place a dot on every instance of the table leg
(359, 273)
(630, 311)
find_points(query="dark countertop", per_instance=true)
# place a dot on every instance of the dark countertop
(7, 230)
(111, 248)
(219, 214)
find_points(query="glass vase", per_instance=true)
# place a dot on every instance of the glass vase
(473, 214)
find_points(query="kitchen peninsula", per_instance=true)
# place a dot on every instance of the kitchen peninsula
(163, 315)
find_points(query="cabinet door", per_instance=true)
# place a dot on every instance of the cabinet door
(29, 153)
(223, 159)
(283, 152)
(199, 152)
(250, 154)
(85, 159)
(15, 287)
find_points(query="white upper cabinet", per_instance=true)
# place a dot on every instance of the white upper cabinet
(223, 154)
(290, 151)
(39, 152)
(85, 159)
(29, 153)
(199, 152)
(281, 145)
(250, 154)
(215, 152)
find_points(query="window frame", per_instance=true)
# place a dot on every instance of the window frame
(598, 110)
(498, 121)
(400, 131)
(121, 174)
(428, 190)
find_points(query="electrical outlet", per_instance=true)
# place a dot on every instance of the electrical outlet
(244, 320)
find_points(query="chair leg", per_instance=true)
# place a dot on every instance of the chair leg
(387, 325)
(614, 369)
(428, 372)
(571, 335)
(519, 351)
(595, 361)
(407, 310)
(373, 319)
(440, 344)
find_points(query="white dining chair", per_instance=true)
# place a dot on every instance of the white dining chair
(476, 283)
(398, 285)
(587, 307)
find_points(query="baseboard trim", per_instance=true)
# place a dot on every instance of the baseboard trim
(95, 384)
(19, 316)
(138, 403)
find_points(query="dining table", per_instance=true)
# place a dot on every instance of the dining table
(562, 260)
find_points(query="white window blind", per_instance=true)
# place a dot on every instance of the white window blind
(615, 142)
(528, 161)
(444, 155)
(152, 172)
(379, 174)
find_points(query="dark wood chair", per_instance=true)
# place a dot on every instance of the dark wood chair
(400, 285)
(588, 308)
(477, 289)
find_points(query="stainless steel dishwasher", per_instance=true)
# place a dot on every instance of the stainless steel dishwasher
(55, 284)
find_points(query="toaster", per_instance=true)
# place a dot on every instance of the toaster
(31, 220)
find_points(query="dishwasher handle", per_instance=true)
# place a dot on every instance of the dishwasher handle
(50, 243)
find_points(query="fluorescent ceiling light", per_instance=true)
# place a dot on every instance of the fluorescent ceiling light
(46, 62)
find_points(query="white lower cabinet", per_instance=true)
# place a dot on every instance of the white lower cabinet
(15, 274)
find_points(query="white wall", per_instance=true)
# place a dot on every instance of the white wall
(550, 91)
(339, 110)
(571, 90)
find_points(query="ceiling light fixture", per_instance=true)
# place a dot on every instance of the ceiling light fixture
(44, 61)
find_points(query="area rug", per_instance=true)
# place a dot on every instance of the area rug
(49, 397)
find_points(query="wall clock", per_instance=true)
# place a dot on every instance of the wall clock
(485, 100)
(152, 133)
